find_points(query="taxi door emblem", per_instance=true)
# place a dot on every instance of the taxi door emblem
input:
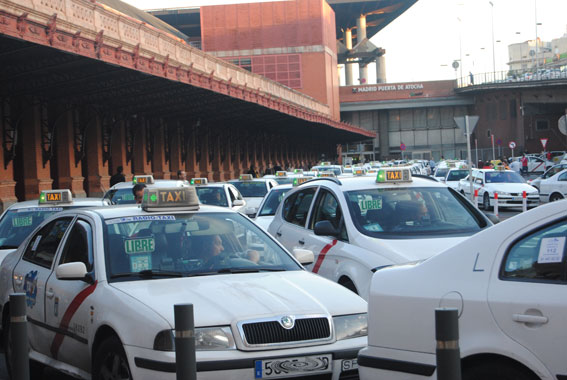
(287, 322)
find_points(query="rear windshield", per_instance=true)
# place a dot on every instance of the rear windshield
(214, 196)
(122, 196)
(455, 175)
(413, 212)
(251, 188)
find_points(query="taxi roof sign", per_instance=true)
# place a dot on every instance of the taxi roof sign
(246, 177)
(326, 174)
(325, 163)
(300, 180)
(55, 196)
(146, 179)
(281, 173)
(358, 171)
(199, 181)
(394, 175)
(167, 199)
(298, 171)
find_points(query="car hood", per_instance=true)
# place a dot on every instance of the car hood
(511, 187)
(228, 298)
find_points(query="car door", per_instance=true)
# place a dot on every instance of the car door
(527, 293)
(67, 306)
(536, 165)
(30, 277)
(562, 184)
(329, 251)
(294, 216)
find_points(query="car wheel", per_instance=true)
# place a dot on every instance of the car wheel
(347, 283)
(110, 362)
(497, 371)
(555, 197)
(486, 202)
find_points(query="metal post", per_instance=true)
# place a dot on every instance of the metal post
(476, 198)
(19, 337)
(469, 154)
(448, 354)
(524, 202)
(496, 204)
(185, 359)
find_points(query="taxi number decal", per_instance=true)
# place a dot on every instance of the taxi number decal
(394, 175)
(140, 262)
(143, 245)
(374, 204)
(551, 250)
(44, 209)
(140, 219)
(52, 197)
(22, 221)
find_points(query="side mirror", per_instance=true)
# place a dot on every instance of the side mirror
(304, 256)
(238, 202)
(72, 271)
(251, 212)
(492, 217)
(325, 228)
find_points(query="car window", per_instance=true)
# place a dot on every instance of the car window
(504, 177)
(539, 256)
(78, 246)
(17, 224)
(251, 188)
(190, 244)
(273, 200)
(120, 196)
(214, 196)
(297, 206)
(328, 208)
(562, 177)
(455, 175)
(43, 246)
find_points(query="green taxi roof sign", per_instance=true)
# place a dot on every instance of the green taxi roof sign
(199, 181)
(396, 174)
(298, 171)
(145, 179)
(326, 174)
(246, 177)
(358, 171)
(281, 173)
(55, 197)
(168, 199)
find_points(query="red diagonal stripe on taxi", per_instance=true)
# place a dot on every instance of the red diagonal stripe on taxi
(322, 254)
(71, 310)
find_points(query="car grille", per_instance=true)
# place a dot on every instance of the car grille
(272, 332)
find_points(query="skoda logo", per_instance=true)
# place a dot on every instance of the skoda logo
(287, 322)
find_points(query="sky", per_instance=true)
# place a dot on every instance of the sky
(423, 43)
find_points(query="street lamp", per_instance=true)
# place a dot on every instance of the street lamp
(493, 58)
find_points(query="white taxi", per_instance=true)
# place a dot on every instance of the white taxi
(507, 183)
(218, 194)
(554, 188)
(358, 224)
(454, 176)
(253, 190)
(508, 285)
(21, 218)
(548, 174)
(327, 166)
(100, 287)
(283, 177)
(121, 193)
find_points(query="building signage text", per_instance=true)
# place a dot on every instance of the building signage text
(392, 87)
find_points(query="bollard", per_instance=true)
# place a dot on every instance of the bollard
(448, 354)
(20, 362)
(496, 204)
(476, 198)
(185, 359)
(524, 202)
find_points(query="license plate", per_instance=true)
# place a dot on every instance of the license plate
(293, 367)
(349, 364)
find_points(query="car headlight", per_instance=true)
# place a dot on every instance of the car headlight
(351, 326)
(502, 193)
(206, 338)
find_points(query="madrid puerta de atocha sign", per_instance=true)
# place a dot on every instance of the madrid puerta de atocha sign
(390, 87)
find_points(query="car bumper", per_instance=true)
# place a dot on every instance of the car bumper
(235, 364)
(382, 363)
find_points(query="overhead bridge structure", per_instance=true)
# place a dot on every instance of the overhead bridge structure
(85, 89)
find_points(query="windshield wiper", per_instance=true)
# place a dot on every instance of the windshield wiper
(150, 273)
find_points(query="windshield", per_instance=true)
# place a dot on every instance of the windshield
(283, 180)
(155, 246)
(441, 172)
(214, 196)
(503, 177)
(122, 196)
(336, 170)
(251, 188)
(17, 224)
(455, 175)
(412, 212)
(272, 202)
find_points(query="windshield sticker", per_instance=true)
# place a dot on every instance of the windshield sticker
(551, 250)
(374, 204)
(44, 209)
(140, 219)
(22, 221)
(140, 245)
(140, 262)
(192, 226)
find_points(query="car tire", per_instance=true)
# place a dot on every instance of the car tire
(486, 202)
(497, 371)
(110, 361)
(347, 283)
(555, 197)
